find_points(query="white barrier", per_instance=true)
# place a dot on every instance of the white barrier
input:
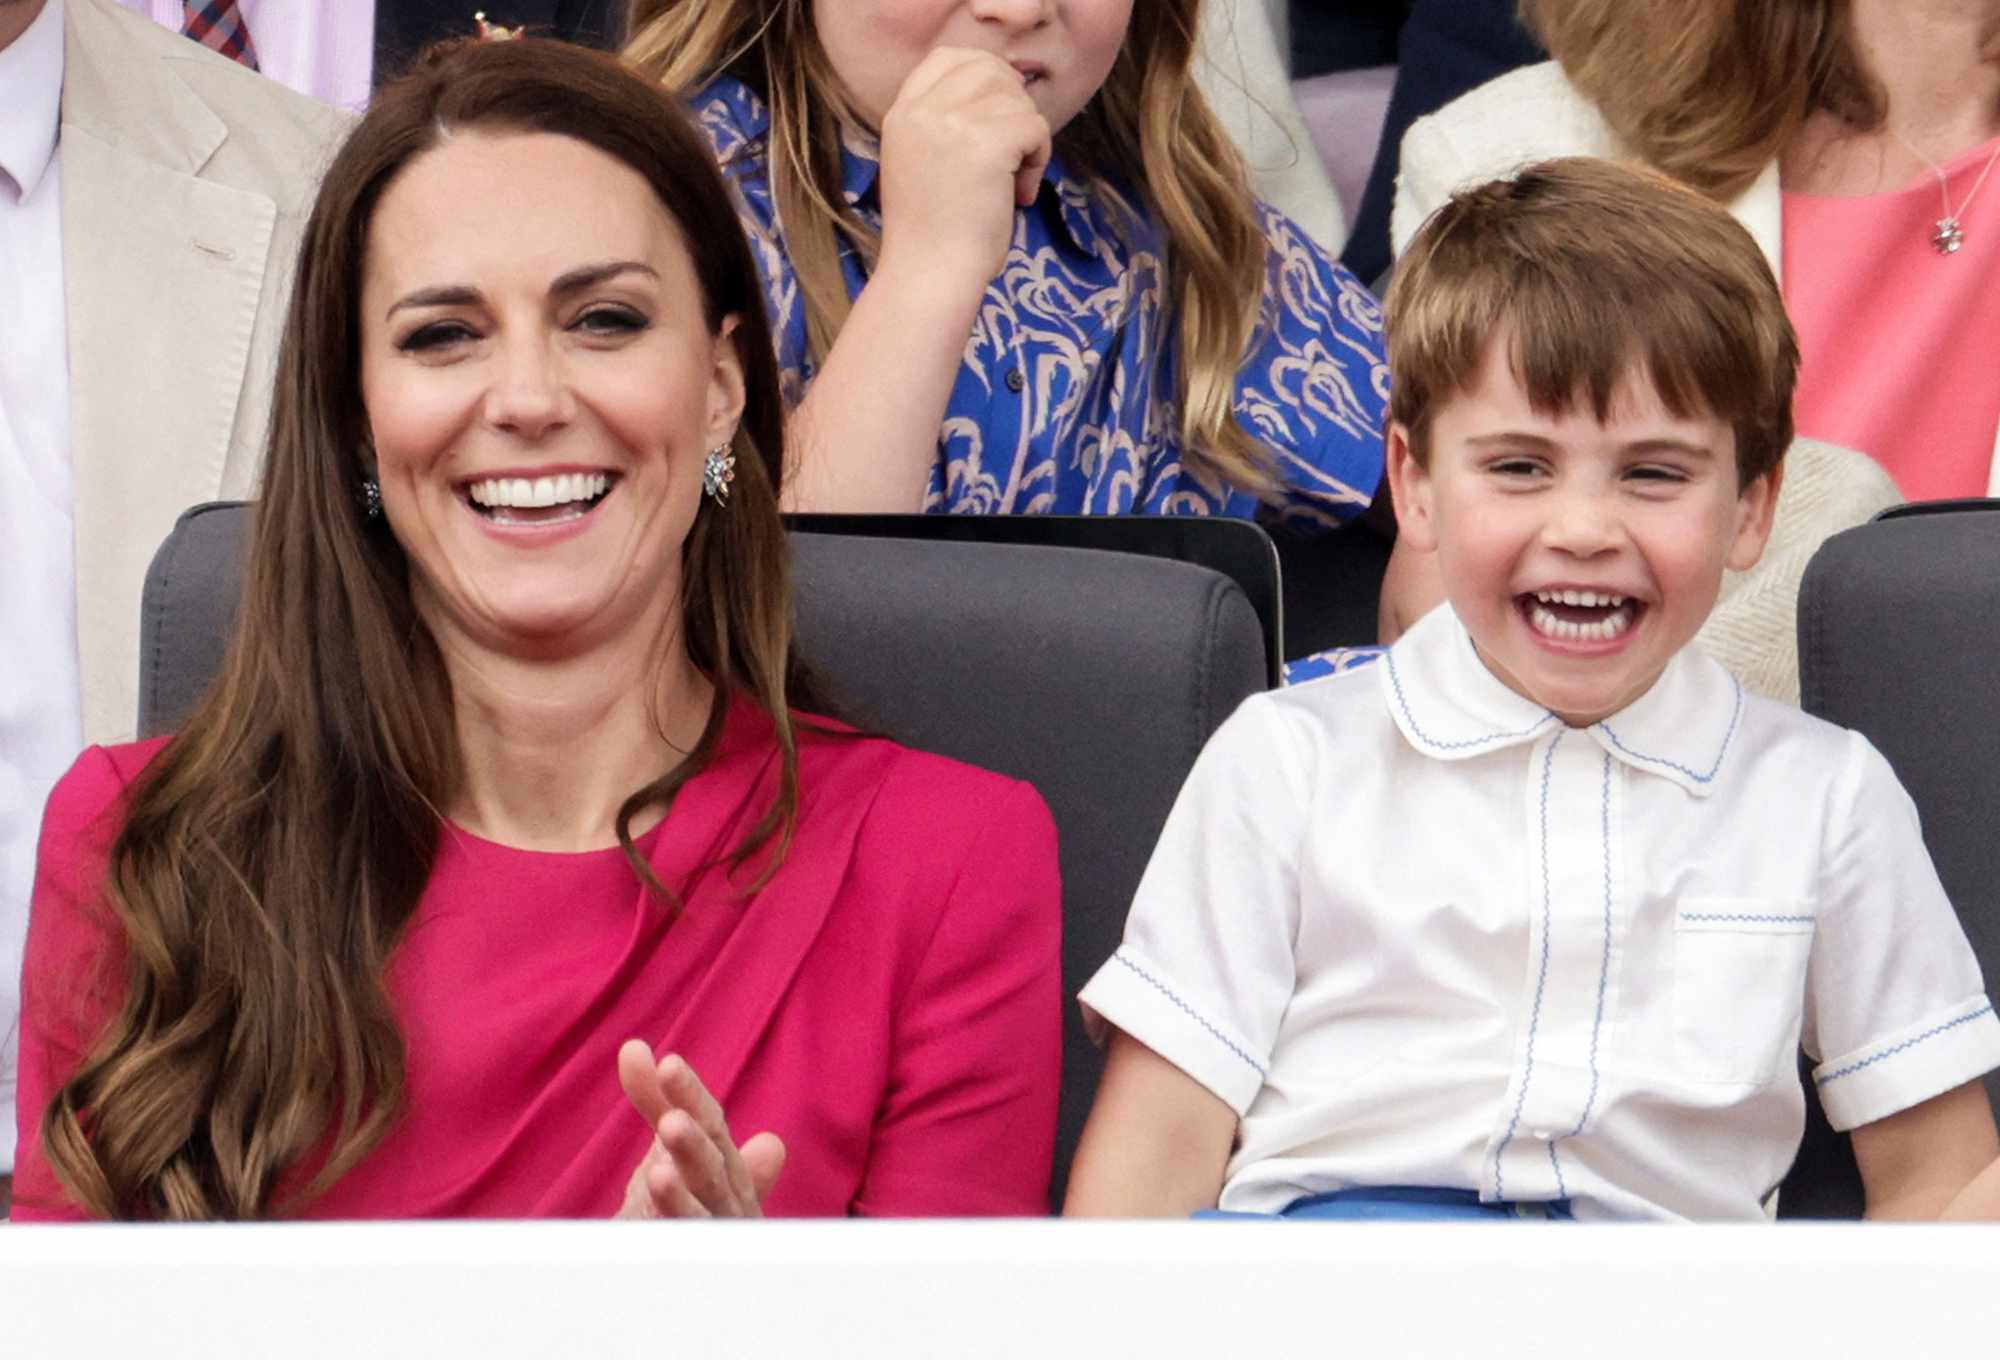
(1263, 1291)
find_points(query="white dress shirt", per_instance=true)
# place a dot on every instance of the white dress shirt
(41, 701)
(1417, 931)
(324, 48)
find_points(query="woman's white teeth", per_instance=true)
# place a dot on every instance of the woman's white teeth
(541, 492)
(1549, 625)
(1588, 599)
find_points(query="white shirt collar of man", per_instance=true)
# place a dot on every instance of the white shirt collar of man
(31, 78)
(1448, 705)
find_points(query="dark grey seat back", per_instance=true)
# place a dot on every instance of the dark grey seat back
(1899, 638)
(1095, 676)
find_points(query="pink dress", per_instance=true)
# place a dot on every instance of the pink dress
(889, 1004)
(1900, 344)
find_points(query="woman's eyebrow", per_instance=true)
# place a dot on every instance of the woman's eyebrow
(575, 280)
(590, 275)
(446, 295)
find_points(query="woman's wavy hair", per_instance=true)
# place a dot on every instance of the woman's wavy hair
(272, 852)
(1147, 130)
(1711, 91)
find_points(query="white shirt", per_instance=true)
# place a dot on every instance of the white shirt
(324, 48)
(1416, 931)
(41, 694)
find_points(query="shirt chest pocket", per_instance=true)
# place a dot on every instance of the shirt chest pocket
(1739, 986)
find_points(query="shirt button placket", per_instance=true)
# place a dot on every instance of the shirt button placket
(1564, 897)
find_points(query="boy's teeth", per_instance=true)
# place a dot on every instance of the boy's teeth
(1610, 626)
(521, 493)
(1588, 599)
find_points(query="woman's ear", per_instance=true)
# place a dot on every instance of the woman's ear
(1409, 490)
(725, 386)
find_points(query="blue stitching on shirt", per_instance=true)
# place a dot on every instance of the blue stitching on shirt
(1744, 916)
(1562, 1191)
(1192, 1014)
(1535, 1015)
(1852, 1068)
(1389, 658)
(1604, 967)
(1735, 713)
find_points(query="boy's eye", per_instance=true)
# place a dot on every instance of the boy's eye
(435, 336)
(1514, 467)
(610, 320)
(1653, 472)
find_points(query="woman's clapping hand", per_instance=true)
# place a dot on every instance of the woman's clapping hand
(693, 1169)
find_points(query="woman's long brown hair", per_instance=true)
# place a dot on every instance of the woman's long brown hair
(1711, 91)
(273, 851)
(1148, 129)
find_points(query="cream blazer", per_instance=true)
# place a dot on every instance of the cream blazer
(1535, 114)
(1244, 68)
(186, 180)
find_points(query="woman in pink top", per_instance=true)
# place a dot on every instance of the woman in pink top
(501, 873)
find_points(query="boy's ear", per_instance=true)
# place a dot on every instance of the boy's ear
(1756, 508)
(1409, 490)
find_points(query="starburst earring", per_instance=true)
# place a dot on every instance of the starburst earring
(718, 470)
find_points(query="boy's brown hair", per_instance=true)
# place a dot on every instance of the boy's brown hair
(1595, 270)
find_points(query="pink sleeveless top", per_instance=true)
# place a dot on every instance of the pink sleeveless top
(1901, 344)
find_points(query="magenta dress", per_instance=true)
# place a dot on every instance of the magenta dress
(889, 1004)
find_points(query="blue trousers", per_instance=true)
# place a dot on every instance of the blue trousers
(1379, 1203)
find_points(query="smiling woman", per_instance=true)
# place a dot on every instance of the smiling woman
(503, 872)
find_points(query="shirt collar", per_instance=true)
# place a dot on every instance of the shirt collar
(1076, 207)
(1449, 706)
(31, 80)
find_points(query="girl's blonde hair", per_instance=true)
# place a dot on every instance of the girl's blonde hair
(1147, 127)
(1711, 91)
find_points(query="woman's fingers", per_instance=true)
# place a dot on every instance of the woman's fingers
(694, 1168)
(639, 1076)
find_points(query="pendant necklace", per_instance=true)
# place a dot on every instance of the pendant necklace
(1950, 232)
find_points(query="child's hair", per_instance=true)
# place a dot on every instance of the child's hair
(1147, 129)
(1595, 270)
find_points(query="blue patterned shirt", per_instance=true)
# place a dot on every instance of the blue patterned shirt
(1067, 399)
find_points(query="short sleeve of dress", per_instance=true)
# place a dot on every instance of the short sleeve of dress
(967, 1125)
(1315, 388)
(737, 124)
(1206, 969)
(73, 974)
(1896, 1011)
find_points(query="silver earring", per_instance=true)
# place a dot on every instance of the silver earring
(717, 472)
(371, 499)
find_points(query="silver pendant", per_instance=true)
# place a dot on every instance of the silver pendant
(1948, 237)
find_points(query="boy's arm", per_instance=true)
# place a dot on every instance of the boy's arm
(1939, 1154)
(1156, 1143)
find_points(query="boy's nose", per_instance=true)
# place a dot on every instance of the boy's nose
(1582, 523)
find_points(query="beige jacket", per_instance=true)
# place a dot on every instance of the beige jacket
(186, 180)
(1535, 114)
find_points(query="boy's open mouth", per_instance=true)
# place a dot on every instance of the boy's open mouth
(1578, 615)
(538, 500)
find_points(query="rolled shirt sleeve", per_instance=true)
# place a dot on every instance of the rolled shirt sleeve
(1206, 969)
(1896, 1010)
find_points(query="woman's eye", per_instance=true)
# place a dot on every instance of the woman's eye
(437, 335)
(610, 321)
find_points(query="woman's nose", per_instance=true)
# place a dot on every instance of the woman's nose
(530, 395)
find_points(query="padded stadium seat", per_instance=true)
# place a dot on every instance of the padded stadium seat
(1097, 676)
(1899, 624)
